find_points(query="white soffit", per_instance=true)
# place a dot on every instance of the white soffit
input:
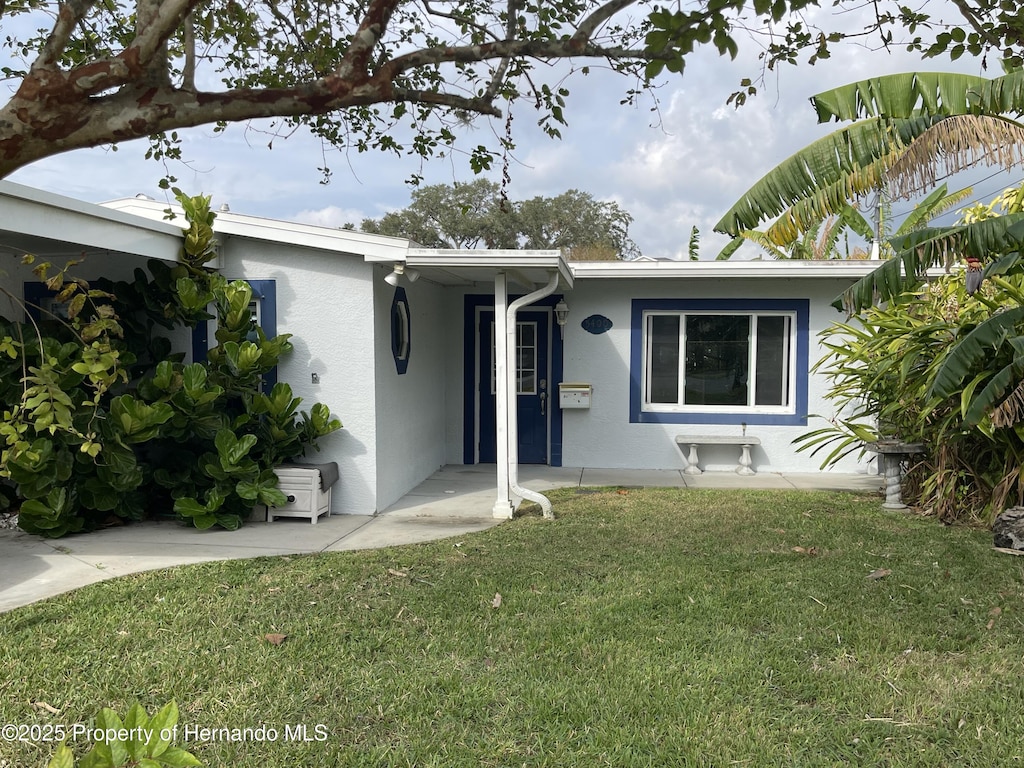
(49, 225)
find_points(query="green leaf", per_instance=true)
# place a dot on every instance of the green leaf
(109, 722)
(204, 522)
(162, 722)
(232, 449)
(139, 422)
(175, 757)
(187, 507)
(64, 757)
(135, 721)
(972, 350)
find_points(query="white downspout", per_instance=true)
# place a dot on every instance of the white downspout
(503, 509)
(511, 392)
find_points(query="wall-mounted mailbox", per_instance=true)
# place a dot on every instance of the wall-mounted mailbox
(574, 395)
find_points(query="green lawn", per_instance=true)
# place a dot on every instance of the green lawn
(640, 628)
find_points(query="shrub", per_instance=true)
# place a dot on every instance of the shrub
(101, 419)
(881, 366)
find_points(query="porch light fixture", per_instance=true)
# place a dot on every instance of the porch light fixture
(400, 269)
(561, 316)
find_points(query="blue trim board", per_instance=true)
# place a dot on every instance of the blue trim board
(636, 360)
(473, 302)
(401, 363)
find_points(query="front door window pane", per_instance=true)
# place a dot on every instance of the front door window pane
(526, 357)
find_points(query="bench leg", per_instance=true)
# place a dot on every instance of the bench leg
(745, 467)
(691, 462)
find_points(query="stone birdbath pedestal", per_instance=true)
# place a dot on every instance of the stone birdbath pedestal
(892, 454)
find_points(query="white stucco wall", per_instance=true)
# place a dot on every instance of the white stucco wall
(410, 406)
(326, 301)
(603, 435)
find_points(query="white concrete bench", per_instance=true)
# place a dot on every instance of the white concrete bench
(744, 441)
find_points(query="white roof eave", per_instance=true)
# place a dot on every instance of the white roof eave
(227, 223)
(834, 268)
(32, 214)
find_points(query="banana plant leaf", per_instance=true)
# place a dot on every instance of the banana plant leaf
(977, 345)
(922, 249)
(830, 173)
(909, 94)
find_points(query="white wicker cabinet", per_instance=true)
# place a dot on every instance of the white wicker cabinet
(305, 498)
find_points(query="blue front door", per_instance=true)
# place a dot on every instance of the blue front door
(532, 386)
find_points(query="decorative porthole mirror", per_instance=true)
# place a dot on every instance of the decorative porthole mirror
(401, 323)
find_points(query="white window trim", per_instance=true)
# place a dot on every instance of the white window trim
(790, 373)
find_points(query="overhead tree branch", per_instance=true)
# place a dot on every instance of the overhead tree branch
(366, 37)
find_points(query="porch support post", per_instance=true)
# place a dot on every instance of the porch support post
(503, 508)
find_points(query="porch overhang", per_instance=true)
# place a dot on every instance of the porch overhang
(467, 268)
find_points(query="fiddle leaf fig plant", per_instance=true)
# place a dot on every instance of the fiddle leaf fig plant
(103, 422)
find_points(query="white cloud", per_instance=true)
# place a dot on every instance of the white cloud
(331, 216)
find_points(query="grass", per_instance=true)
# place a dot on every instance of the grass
(640, 628)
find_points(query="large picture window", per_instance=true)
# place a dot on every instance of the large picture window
(719, 362)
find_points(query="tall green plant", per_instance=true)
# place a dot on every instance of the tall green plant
(882, 367)
(95, 426)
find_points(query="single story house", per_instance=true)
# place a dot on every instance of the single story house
(611, 362)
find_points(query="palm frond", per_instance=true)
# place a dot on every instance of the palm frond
(762, 240)
(730, 248)
(953, 145)
(993, 392)
(909, 94)
(826, 201)
(851, 217)
(882, 284)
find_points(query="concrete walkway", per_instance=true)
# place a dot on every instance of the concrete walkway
(454, 501)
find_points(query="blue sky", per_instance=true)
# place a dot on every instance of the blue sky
(671, 169)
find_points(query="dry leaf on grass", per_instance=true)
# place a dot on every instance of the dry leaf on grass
(496, 602)
(994, 613)
(275, 638)
(879, 573)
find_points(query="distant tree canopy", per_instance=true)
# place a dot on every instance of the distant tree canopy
(83, 73)
(476, 215)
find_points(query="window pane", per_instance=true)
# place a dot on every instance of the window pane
(717, 359)
(663, 335)
(526, 358)
(772, 361)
